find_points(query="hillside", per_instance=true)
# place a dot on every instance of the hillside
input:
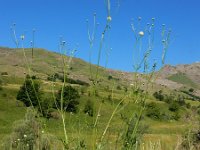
(47, 63)
(180, 76)
(162, 124)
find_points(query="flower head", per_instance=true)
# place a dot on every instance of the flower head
(141, 33)
(109, 18)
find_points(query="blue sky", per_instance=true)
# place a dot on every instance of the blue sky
(53, 18)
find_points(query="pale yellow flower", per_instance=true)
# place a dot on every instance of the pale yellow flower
(141, 33)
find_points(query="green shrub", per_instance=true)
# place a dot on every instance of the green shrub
(89, 108)
(153, 111)
(4, 73)
(191, 90)
(110, 77)
(174, 106)
(159, 95)
(70, 99)
(29, 93)
(47, 106)
(119, 87)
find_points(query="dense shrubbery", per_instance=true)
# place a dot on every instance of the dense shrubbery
(47, 107)
(29, 92)
(159, 95)
(191, 90)
(70, 99)
(153, 111)
(174, 106)
(110, 77)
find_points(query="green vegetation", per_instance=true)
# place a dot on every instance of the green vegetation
(183, 79)
(70, 99)
(29, 92)
(89, 108)
(71, 104)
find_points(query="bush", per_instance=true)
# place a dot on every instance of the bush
(158, 95)
(153, 111)
(191, 90)
(46, 106)
(174, 106)
(4, 73)
(110, 77)
(169, 98)
(70, 99)
(89, 108)
(29, 92)
(119, 87)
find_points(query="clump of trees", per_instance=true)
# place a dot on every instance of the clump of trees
(68, 99)
(174, 101)
(153, 111)
(31, 94)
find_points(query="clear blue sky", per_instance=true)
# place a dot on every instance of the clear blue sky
(52, 18)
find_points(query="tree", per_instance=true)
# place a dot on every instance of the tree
(29, 92)
(153, 111)
(70, 98)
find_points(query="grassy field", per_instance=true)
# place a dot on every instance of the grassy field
(160, 133)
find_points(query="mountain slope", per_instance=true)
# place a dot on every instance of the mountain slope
(45, 63)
